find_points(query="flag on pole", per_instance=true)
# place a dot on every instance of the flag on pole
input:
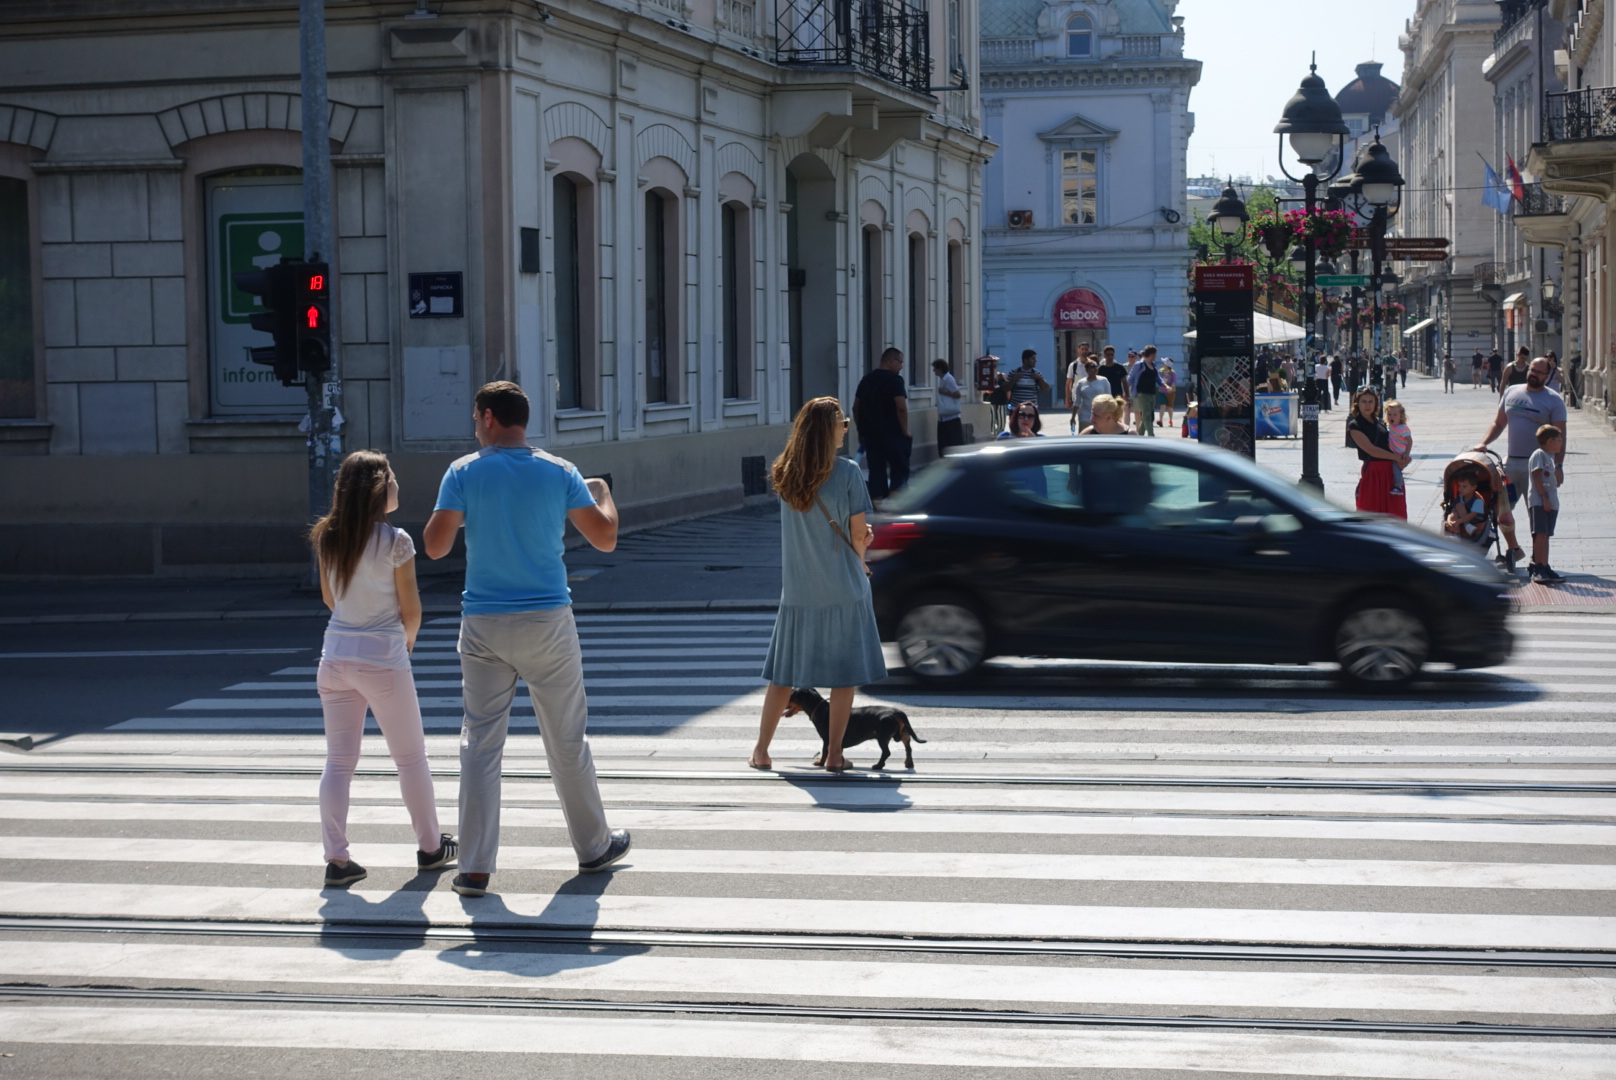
(1517, 186)
(1495, 194)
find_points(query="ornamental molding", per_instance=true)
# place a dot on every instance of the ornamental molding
(1057, 79)
(248, 112)
(26, 127)
(1079, 129)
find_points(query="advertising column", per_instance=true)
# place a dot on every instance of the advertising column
(1225, 352)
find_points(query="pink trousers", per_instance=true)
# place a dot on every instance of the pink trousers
(346, 688)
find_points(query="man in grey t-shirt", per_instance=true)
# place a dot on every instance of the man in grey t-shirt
(1523, 409)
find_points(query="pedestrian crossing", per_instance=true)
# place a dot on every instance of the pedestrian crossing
(672, 686)
(1031, 898)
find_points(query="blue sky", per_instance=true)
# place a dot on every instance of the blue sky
(1253, 55)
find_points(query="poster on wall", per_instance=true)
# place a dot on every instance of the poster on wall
(252, 221)
(1225, 352)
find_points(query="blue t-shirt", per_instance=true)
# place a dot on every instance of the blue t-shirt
(515, 500)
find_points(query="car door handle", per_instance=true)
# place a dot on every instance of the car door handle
(1271, 551)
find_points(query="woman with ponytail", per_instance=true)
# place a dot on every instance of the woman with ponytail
(824, 634)
(367, 579)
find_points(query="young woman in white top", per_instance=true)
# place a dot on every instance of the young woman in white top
(367, 578)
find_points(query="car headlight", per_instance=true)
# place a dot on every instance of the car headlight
(1453, 560)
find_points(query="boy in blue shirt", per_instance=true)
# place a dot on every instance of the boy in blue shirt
(515, 502)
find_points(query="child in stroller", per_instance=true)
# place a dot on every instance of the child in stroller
(1474, 500)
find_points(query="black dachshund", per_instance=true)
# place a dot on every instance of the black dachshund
(863, 724)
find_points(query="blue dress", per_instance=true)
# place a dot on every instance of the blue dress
(824, 635)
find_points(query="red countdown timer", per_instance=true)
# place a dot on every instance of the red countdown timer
(317, 283)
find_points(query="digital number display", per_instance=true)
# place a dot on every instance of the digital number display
(317, 283)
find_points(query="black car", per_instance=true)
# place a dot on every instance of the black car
(1125, 548)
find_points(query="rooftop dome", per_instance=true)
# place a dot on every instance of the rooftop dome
(1371, 93)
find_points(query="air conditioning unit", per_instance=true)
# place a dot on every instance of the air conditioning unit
(1021, 219)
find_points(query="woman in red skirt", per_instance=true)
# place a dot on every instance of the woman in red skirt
(1369, 436)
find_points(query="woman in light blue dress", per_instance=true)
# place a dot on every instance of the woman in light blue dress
(825, 632)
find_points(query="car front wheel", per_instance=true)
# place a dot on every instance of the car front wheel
(941, 640)
(1381, 645)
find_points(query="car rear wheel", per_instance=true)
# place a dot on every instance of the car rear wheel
(941, 639)
(1381, 645)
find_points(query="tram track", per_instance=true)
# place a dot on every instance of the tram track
(436, 1003)
(881, 779)
(492, 932)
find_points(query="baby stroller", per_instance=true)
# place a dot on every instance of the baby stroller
(1492, 489)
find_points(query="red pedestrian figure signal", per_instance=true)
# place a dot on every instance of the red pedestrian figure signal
(313, 315)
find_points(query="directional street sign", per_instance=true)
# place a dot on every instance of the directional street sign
(1342, 281)
(1419, 256)
(1360, 239)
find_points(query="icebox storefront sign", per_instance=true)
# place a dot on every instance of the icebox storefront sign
(1079, 309)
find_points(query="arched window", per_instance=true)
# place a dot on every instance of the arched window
(1079, 36)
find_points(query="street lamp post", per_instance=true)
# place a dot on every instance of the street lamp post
(1313, 122)
(1229, 218)
(1375, 186)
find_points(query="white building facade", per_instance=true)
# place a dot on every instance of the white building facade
(1086, 233)
(671, 220)
(1445, 117)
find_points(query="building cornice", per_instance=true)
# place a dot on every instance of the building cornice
(1119, 76)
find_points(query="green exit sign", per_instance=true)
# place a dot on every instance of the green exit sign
(1342, 281)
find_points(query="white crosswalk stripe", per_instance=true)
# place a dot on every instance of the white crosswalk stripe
(203, 822)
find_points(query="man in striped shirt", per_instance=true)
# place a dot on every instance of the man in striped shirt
(1026, 383)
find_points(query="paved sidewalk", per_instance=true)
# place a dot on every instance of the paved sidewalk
(1584, 547)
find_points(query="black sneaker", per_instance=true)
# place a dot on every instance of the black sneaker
(337, 877)
(437, 860)
(1536, 574)
(470, 884)
(1549, 573)
(614, 851)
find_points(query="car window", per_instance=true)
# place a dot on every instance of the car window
(1049, 486)
(922, 487)
(1164, 496)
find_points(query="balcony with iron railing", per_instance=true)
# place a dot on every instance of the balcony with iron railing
(1577, 154)
(1537, 203)
(888, 39)
(1576, 115)
(1511, 14)
(1485, 276)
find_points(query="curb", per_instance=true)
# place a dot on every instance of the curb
(621, 606)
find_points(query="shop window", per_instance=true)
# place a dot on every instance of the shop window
(662, 365)
(919, 340)
(17, 386)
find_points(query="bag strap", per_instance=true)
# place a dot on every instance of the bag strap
(839, 532)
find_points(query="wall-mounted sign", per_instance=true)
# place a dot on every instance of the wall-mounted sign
(437, 296)
(1142, 309)
(1079, 309)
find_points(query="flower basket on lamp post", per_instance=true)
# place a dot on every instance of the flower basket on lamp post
(1331, 230)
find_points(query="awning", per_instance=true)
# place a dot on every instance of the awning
(1417, 327)
(1271, 331)
(1514, 298)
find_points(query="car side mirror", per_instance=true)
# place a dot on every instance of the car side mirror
(1249, 527)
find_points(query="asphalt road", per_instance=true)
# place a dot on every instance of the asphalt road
(1100, 870)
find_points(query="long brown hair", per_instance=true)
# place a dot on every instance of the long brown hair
(358, 502)
(810, 454)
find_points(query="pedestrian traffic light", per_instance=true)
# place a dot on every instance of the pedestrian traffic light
(313, 313)
(275, 286)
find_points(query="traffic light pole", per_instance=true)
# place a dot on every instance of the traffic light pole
(325, 391)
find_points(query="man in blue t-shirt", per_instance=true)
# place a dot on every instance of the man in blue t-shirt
(516, 623)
